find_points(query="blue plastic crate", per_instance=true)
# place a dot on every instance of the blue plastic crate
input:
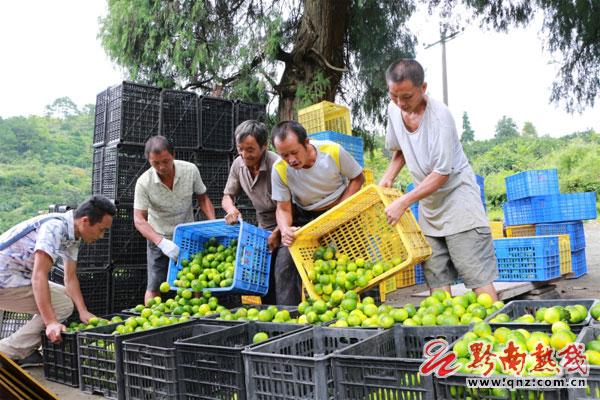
(527, 259)
(253, 259)
(532, 183)
(419, 275)
(352, 144)
(578, 263)
(573, 229)
(553, 208)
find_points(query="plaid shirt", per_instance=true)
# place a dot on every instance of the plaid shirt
(55, 237)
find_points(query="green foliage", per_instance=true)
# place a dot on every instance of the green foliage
(468, 134)
(506, 128)
(44, 160)
(529, 130)
(571, 31)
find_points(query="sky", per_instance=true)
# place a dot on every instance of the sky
(489, 74)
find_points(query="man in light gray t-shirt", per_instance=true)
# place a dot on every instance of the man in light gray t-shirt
(309, 178)
(422, 134)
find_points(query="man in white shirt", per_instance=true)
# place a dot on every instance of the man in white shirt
(422, 135)
(163, 199)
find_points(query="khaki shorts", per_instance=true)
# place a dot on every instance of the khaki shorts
(468, 255)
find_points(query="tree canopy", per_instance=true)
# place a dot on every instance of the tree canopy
(239, 48)
(506, 128)
(571, 32)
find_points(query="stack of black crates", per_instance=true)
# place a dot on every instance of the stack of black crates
(201, 130)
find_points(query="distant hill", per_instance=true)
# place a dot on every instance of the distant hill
(44, 160)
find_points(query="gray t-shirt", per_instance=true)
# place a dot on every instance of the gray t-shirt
(320, 185)
(257, 189)
(434, 147)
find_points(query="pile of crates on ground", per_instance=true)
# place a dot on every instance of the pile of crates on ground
(544, 229)
(201, 130)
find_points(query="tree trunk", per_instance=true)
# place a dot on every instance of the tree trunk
(318, 46)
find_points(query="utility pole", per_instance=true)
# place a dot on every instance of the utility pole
(445, 37)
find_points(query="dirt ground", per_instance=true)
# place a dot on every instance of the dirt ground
(585, 287)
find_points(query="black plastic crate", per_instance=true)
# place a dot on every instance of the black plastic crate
(101, 359)
(245, 110)
(179, 118)
(214, 170)
(127, 245)
(387, 365)
(298, 365)
(216, 123)
(133, 113)
(94, 284)
(517, 308)
(128, 285)
(188, 155)
(593, 379)
(219, 213)
(61, 360)
(455, 388)
(94, 255)
(249, 215)
(100, 119)
(97, 163)
(121, 167)
(149, 362)
(211, 366)
(11, 321)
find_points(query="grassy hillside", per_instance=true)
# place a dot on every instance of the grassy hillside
(44, 160)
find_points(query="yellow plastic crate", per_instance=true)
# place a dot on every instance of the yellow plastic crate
(251, 300)
(406, 278)
(497, 228)
(358, 227)
(369, 177)
(325, 116)
(387, 286)
(564, 251)
(520, 230)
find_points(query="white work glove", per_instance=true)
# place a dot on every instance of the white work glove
(168, 248)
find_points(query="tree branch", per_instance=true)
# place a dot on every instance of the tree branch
(322, 58)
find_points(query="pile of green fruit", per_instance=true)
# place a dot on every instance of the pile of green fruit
(184, 304)
(333, 271)
(572, 314)
(525, 341)
(146, 321)
(269, 314)
(213, 267)
(92, 323)
(442, 309)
